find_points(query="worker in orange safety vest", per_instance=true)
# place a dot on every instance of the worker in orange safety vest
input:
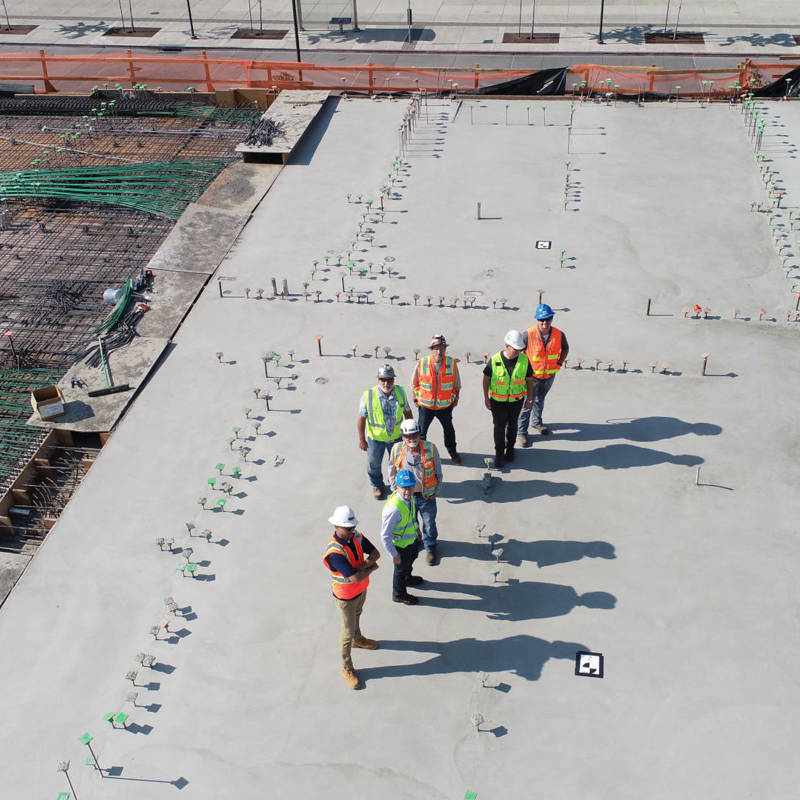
(351, 558)
(436, 385)
(547, 350)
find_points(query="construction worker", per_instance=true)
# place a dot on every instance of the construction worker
(400, 536)
(350, 572)
(436, 385)
(379, 415)
(507, 380)
(422, 460)
(547, 350)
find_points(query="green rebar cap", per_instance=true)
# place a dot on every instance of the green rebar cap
(86, 738)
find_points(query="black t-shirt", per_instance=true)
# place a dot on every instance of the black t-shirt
(340, 563)
(509, 363)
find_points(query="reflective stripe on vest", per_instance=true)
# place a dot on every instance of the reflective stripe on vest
(544, 360)
(376, 424)
(342, 588)
(507, 388)
(405, 531)
(428, 465)
(436, 390)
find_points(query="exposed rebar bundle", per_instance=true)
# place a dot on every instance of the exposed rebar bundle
(160, 187)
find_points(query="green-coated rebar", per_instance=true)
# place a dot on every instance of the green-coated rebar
(159, 187)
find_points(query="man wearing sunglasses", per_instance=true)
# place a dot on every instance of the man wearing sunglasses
(382, 409)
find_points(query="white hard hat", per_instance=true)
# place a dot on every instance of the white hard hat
(514, 338)
(409, 427)
(343, 517)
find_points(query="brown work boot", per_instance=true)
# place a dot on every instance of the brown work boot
(377, 493)
(365, 644)
(522, 440)
(351, 678)
(430, 556)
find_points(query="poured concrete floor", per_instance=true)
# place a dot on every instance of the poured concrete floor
(611, 543)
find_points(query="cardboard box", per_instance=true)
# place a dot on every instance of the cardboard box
(48, 402)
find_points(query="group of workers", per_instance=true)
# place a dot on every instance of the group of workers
(516, 381)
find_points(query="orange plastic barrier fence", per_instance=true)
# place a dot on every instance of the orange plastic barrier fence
(80, 72)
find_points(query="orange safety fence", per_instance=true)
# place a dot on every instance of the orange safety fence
(80, 72)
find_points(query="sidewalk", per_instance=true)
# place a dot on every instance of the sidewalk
(733, 31)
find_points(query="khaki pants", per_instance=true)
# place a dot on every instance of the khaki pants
(351, 614)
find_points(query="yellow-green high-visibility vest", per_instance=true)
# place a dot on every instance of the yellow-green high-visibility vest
(503, 387)
(405, 532)
(376, 424)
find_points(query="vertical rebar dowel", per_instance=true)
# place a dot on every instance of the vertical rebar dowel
(274, 287)
(647, 311)
(705, 362)
(286, 287)
(478, 213)
(697, 477)
(319, 343)
(343, 289)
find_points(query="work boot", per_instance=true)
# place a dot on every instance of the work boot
(415, 580)
(364, 643)
(510, 453)
(351, 678)
(430, 556)
(499, 461)
(407, 599)
(523, 440)
(377, 493)
(454, 456)
(543, 429)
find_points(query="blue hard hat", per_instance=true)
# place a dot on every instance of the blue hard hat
(543, 311)
(405, 477)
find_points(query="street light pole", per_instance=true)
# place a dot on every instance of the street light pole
(296, 34)
(191, 23)
(602, 9)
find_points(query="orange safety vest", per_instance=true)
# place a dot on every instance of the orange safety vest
(436, 390)
(341, 586)
(544, 360)
(428, 465)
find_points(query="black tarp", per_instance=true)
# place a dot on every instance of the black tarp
(545, 81)
(779, 88)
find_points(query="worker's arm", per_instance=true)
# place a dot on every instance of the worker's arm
(415, 385)
(388, 521)
(362, 432)
(456, 385)
(486, 381)
(563, 357)
(528, 392)
(368, 566)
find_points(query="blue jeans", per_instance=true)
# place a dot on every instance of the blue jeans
(540, 390)
(426, 508)
(375, 451)
(402, 571)
(445, 416)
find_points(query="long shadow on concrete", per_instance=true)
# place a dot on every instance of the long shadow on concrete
(515, 600)
(641, 429)
(544, 553)
(611, 456)
(523, 655)
(457, 492)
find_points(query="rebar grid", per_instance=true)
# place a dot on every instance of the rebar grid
(50, 142)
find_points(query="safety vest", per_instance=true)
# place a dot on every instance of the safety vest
(505, 388)
(544, 359)
(342, 588)
(405, 532)
(436, 390)
(428, 465)
(376, 425)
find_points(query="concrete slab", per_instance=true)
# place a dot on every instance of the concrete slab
(12, 565)
(293, 112)
(612, 543)
(200, 240)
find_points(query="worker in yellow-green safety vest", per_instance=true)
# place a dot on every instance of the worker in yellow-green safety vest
(421, 459)
(507, 389)
(382, 409)
(400, 536)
